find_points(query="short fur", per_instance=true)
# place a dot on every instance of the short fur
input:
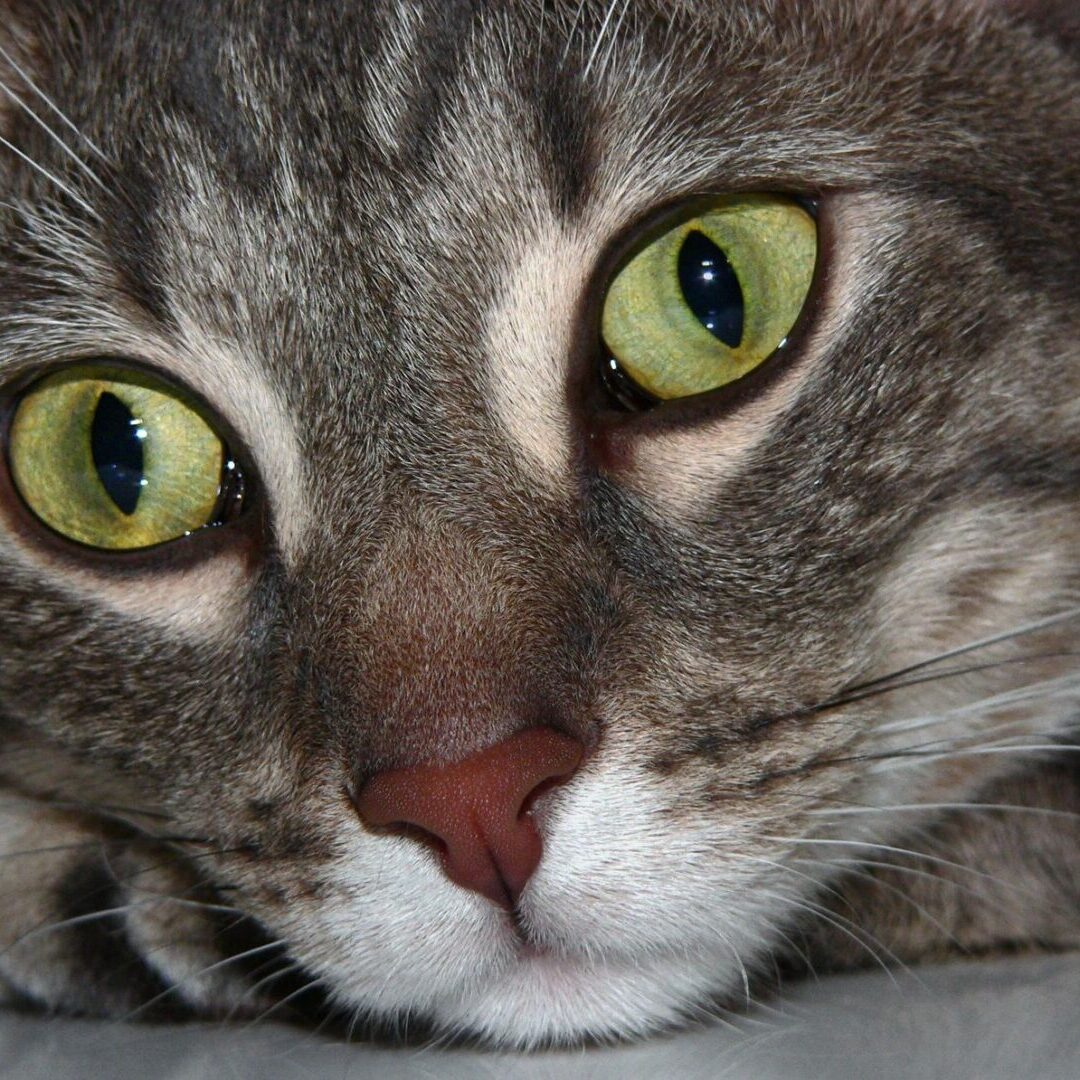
(819, 638)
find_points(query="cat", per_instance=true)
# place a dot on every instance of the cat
(522, 521)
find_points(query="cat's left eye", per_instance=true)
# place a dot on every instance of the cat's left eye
(119, 461)
(712, 297)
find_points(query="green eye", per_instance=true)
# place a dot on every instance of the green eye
(713, 297)
(116, 461)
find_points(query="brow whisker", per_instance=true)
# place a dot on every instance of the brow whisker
(77, 199)
(53, 135)
(16, 67)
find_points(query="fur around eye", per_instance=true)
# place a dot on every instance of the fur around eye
(711, 298)
(118, 462)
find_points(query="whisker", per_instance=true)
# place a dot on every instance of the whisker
(109, 810)
(977, 894)
(846, 927)
(816, 882)
(300, 990)
(149, 897)
(873, 846)
(207, 970)
(909, 758)
(253, 990)
(1042, 689)
(49, 849)
(950, 673)
(856, 871)
(980, 643)
(52, 135)
(915, 807)
(46, 927)
(14, 65)
(743, 973)
(77, 199)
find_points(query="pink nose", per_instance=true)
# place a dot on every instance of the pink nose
(477, 810)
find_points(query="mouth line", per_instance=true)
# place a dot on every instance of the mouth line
(526, 946)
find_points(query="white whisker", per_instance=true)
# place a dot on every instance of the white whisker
(862, 874)
(916, 807)
(979, 643)
(913, 871)
(55, 179)
(47, 927)
(913, 758)
(310, 984)
(52, 135)
(14, 65)
(1044, 689)
(281, 973)
(207, 970)
(872, 846)
(846, 927)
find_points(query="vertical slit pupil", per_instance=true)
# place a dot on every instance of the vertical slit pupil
(116, 446)
(711, 288)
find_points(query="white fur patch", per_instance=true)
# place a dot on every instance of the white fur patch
(630, 915)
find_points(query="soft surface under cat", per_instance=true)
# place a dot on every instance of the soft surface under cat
(522, 520)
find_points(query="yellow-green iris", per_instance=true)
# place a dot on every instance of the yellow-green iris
(114, 461)
(713, 297)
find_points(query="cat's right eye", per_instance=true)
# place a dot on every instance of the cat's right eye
(116, 460)
(710, 299)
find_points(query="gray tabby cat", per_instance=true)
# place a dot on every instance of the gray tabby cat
(520, 519)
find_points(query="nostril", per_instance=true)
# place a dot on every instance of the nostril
(411, 831)
(539, 792)
(476, 813)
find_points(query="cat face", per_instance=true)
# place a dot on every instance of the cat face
(371, 249)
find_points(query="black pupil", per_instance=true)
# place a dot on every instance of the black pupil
(710, 288)
(116, 445)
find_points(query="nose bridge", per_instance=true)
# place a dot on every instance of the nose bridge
(443, 648)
